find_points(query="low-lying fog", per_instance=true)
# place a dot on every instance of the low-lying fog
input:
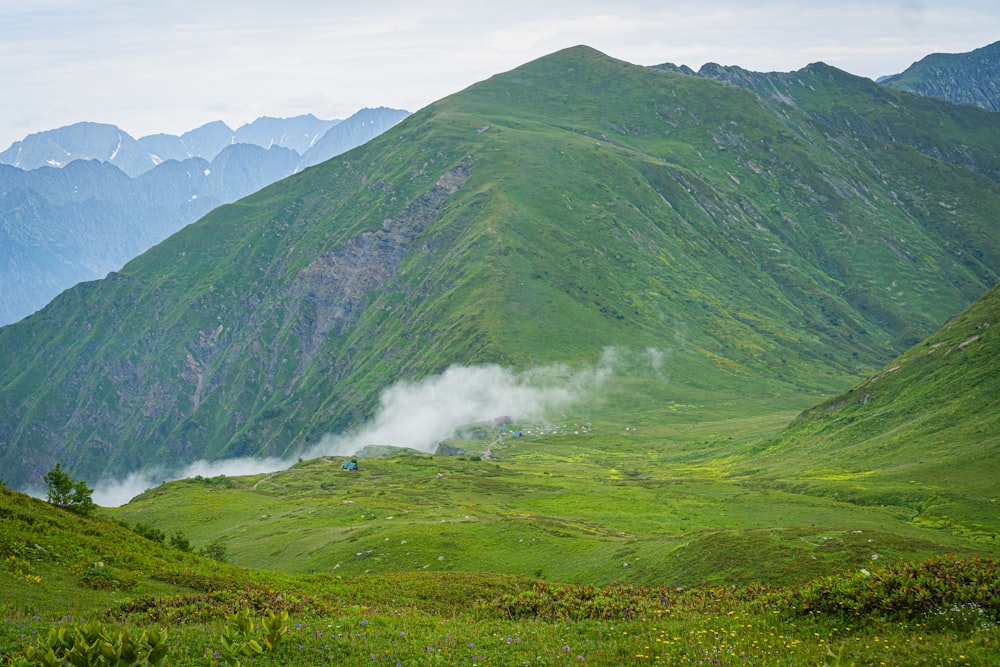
(420, 414)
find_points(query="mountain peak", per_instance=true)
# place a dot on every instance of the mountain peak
(571, 56)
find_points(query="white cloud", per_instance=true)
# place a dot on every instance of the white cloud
(116, 492)
(422, 414)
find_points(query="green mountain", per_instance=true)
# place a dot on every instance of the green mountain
(696, 246)
(922, 432)
(962, 78)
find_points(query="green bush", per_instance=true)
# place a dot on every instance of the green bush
(101, 577)
(179, 541)
(237, 640)
(216, 550)
(934, 588)
(576, 602)
(149, 532)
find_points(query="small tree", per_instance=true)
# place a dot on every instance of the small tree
(66, 492)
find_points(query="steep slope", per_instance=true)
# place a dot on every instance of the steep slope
(573, 204)
(962, 78)
(929, 420)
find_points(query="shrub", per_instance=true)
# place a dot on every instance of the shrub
(576, 602)
(179, 541)
(149, 532)
(101, 577)
(214, 604)
(216, 550)
(906, 590)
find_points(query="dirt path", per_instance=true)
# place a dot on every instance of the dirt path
(262, 480)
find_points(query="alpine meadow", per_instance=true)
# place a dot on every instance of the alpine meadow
(638, 365)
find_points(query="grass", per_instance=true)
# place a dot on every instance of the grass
(675, 542)
(427, 618)
(919, 435)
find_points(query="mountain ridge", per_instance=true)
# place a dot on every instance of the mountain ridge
(88, 140)
(961, 78)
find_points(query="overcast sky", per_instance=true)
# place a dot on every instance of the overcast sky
(173, 65)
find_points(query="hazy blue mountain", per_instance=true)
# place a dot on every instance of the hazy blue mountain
(208, 140)
(352, 132)
(79, 141)
(108, 143)
(961, 78)
(62, 226)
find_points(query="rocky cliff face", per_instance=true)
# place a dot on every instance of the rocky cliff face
(334, 287)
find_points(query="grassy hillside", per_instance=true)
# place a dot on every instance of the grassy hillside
(921, 434)
(573, 205)
(594, 509)
(417, 558)
(705, 259)
(65, 573)
(55, 562)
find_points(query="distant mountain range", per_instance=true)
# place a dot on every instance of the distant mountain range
(80, 201)
(961, 78)
(109, 143)
(777, 239)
